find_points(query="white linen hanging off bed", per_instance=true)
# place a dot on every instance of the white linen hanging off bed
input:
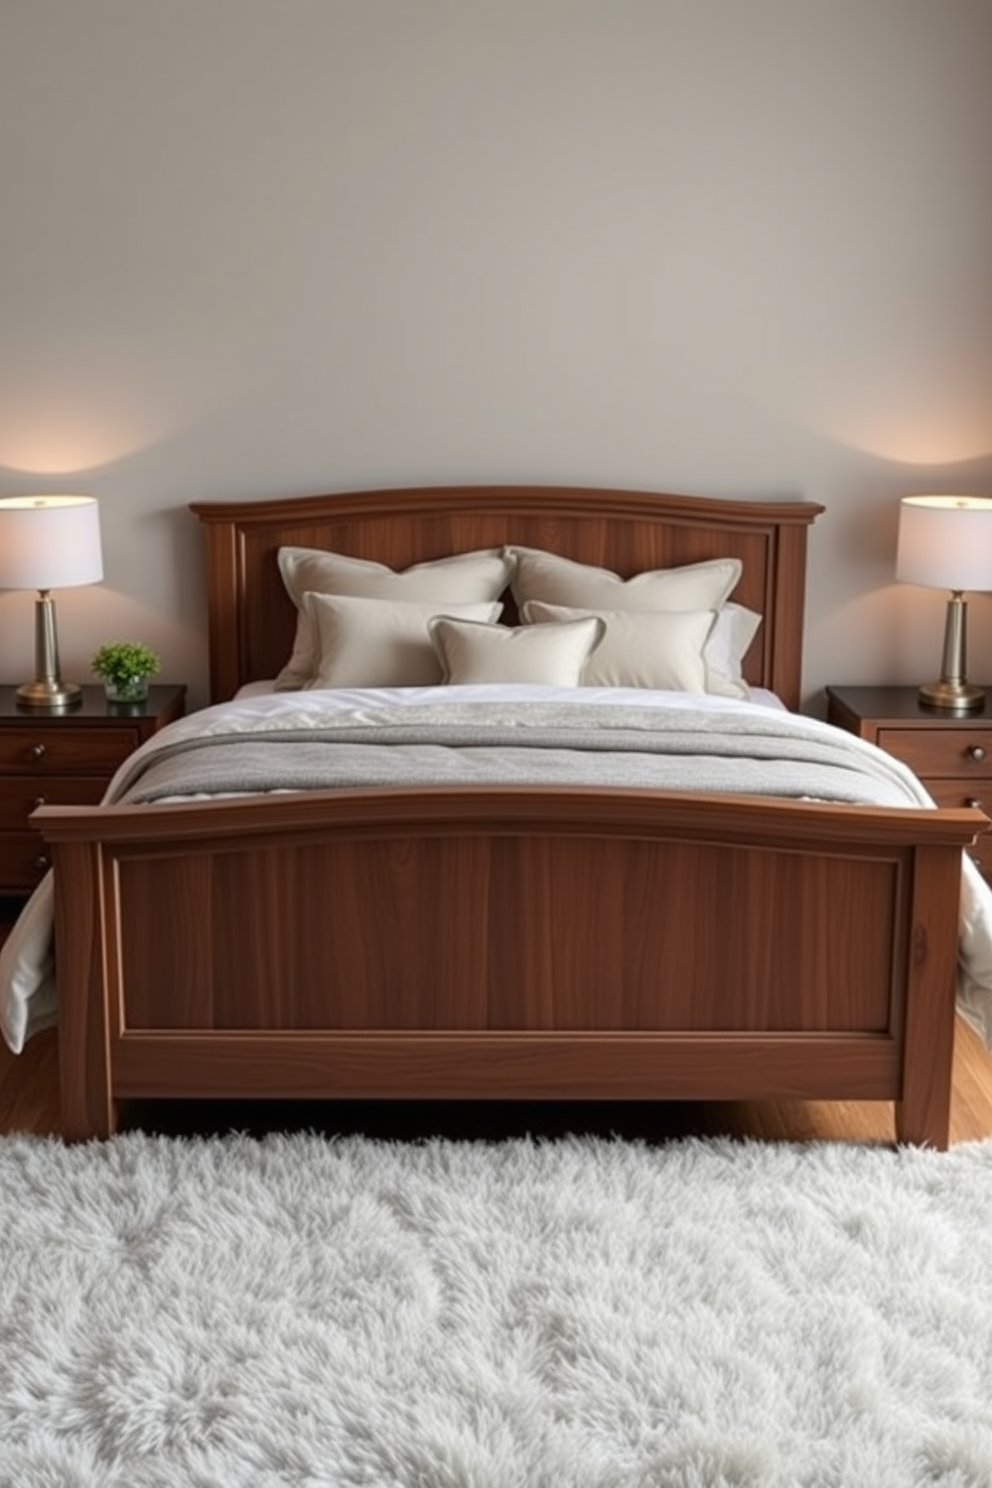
(626, 737)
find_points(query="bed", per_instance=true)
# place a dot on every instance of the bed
(518, 941)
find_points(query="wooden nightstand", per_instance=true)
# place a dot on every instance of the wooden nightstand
(67, 759)
(950, 752)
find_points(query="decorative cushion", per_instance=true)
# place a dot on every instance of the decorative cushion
(559, 581)
(646, 648)
(462, 578)
(554, 655)
(379, 643)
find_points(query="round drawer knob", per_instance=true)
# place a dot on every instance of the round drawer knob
(976, 752)
(37, 751)
(38, 801)
(42, 862)
(974, 802)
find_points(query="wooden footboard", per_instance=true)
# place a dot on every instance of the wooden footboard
(525, 943)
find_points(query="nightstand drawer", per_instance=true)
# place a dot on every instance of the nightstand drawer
(65, 759)
(20, 795)
(977, 793)
(963, 792)
(65, 750)
(959, 752)
(23, 860)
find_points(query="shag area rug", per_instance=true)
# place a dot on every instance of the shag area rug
(583, 1313)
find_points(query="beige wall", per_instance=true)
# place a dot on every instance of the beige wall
(737, 247)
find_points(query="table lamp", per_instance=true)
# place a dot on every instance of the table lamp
(49, 542)
(945, 542)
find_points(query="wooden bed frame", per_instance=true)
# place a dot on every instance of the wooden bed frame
(504, 942)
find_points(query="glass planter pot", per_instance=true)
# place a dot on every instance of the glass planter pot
(126, 689)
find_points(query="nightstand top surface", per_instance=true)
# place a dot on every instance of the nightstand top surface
(902, 705)
(93, 708)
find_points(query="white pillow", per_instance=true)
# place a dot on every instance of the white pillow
(726, 648)
(379, 643)
(462, 578)
(640, 648)
(553, 580)
(554, 655)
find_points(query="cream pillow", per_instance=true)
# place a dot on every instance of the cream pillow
(379, 643)
(648, 648)
(462, 578)
(554, 655)
(553, 580)
(735, 629)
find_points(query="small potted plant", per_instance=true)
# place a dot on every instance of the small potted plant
(124, 668)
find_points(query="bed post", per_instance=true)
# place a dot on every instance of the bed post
(225, 619)
(923, 1114)
(88, 1106)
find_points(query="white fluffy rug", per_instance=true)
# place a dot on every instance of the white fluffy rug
(231, 1313)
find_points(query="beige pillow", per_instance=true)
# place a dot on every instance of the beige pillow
(463, 578)
(554, 655)
(377, 642)
(553, 580)
(640, 648)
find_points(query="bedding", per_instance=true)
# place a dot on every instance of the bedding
(552, 579)
(554, 655)
(723, 655)
(651, 648)
(369, 643)
(639, 653)
(623, 737)
(461, 578)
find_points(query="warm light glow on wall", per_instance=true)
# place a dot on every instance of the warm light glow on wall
(61, 441)
(931, 414)
(69, 422)
(929, 442)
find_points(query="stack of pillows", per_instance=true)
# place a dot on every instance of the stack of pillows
(362, 624)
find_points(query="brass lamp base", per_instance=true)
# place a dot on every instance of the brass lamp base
(47, 690)
(954, 693)
(53, 695)
(953, 697)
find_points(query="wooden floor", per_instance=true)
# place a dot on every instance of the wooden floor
(29, 1102)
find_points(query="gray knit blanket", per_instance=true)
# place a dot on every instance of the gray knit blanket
(754, 751)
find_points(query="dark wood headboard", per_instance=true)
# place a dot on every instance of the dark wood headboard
(252, 620)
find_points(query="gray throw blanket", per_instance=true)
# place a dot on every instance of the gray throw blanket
(754, 751)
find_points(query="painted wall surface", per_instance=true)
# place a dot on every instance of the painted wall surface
(731, 247)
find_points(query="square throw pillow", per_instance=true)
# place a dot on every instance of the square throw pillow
(378, 642)
(640, 648)
(462, 578)
(553, 655)
(549, 579)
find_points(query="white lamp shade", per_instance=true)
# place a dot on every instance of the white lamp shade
(945, 542)
(49, 542)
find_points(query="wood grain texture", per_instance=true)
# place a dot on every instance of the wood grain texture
(30, 1102)
(514, 941)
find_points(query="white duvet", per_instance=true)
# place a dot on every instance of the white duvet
(27, 974)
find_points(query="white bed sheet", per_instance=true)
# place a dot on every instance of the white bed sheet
(759, 695)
